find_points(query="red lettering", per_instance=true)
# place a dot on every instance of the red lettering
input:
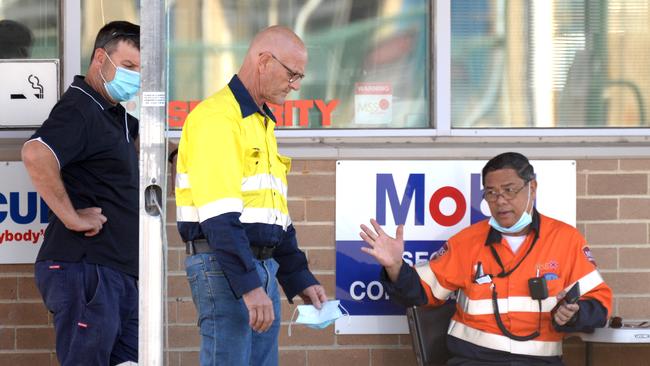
(288, 113)
(278, 112)
(326, 111)
(177, 112)
(304, 106)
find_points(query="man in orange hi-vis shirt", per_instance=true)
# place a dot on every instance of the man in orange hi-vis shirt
(511, 273)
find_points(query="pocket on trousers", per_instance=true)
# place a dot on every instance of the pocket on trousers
(91, 282)
(51, 280)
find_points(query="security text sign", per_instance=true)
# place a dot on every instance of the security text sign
(434, 200)
(23, 216)
(29, 90)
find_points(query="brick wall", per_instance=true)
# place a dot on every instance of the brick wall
(613, 211)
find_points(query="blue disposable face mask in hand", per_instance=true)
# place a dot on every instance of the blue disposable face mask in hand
(312, 317)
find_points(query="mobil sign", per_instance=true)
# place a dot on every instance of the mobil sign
(23, 215)
(433, 200)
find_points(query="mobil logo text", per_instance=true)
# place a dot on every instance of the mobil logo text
(398, 202)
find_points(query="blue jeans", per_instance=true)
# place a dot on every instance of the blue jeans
(226, 336)
(95, 312)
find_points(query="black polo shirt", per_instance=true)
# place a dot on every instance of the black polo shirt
(93, 142)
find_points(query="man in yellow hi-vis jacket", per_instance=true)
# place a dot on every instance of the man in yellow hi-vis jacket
(231, 197)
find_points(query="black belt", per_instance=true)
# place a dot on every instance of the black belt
(201, 246)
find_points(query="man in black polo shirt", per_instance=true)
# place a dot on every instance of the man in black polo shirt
(83, 162)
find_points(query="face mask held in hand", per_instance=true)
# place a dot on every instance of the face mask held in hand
(318, 319)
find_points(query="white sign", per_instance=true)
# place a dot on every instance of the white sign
(373, 103)
(23, 215)
(434, 200)
(29, 90)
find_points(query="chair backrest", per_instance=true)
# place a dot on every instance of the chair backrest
(428, 326)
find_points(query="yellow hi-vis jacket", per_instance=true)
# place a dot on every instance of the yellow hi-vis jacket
(231, 189)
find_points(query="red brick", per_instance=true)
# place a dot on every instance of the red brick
(175, 259)
(321, 165)
(302, 335)
(635, 208)
(581, 185)
(184, 336)
(315, 235)
(186, 312)
(23, 314)
(296, 209)
(189, 358)
(321, 259)
(35, 338)
(171, 211)
(367, 339)
(596, 165)
(7, 338)
(394, 356)
(16, 268)
(177, 286)
(338, 357)
(173, 358)
(606, 258)
(628, 283)
(405, 340)
(597, 209)
(8, 288)
(634, 257)
(321, 210)
(616, 233)
(635, 164)
(298, 166)
(293, 357)
(25, 359)
(174, 238)
(615, 184)
(27, 289)
(633, 307)
(308, 185)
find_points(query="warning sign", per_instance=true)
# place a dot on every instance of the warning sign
(373, 103)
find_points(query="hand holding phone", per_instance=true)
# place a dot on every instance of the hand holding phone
(571, 297)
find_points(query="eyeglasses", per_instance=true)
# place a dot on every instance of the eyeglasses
(293, 76)
(508, 193)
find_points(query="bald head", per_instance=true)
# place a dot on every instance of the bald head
(277, 40)
(274, 64)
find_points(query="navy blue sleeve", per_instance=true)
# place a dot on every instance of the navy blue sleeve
(294, 275)
(592, 314)
(407, 290)
(227, 237)
(65, 132)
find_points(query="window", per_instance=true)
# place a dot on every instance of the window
(368, 59)
(549, 64)
(29, 29)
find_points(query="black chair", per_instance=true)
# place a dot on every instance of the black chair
(428, 327)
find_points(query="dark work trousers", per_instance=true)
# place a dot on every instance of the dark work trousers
(95, 312)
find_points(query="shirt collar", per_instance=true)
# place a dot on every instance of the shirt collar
(494, 235)
(245, 100)
(80, 82)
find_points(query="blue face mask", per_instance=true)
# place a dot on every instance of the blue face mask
(318, 319)
(525, 220)
(124, 85)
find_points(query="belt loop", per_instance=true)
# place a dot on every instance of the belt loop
(189, 247)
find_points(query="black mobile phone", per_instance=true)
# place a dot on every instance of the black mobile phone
(573, 294)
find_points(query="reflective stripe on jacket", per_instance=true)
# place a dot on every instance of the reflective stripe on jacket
(231, 188)
(560, 255)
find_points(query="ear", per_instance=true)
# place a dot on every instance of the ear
(533, 189)
(263, 62)
(98, 57)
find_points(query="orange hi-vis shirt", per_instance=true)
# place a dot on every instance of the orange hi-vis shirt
(560, 254)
